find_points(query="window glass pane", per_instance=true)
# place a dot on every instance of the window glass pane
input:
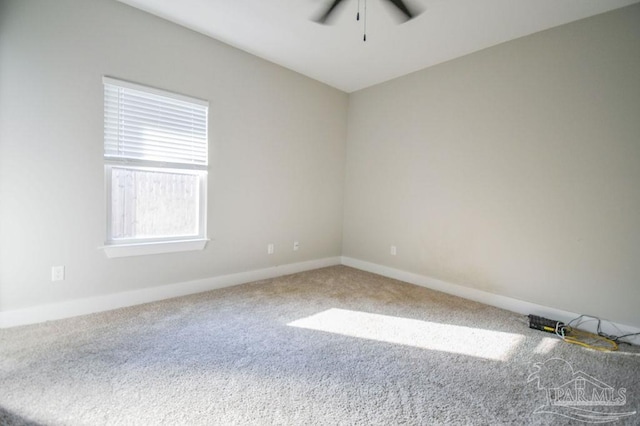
(152, 204)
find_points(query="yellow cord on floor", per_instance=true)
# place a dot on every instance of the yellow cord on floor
(589, 340)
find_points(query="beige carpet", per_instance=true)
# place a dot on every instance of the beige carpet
(330, 346)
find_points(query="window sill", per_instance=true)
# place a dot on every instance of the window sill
(140, 249)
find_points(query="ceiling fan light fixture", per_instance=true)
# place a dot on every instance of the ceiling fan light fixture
(399, 5)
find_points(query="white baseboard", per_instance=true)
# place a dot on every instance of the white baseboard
(72, 308)
(503, 302)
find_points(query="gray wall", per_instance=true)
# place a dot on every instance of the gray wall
(277, 142)
(514, 170)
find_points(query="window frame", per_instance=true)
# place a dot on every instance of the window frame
(122, 247)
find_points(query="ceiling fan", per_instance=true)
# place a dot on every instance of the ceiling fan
(399, 4)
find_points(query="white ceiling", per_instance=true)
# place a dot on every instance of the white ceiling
(282, 31)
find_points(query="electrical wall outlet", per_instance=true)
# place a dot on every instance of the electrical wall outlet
(270, 248)
(57, 273)
(393, 251)
(296, 246)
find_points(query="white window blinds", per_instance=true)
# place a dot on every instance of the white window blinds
(150, 125)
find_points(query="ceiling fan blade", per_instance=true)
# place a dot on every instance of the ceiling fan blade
(403, 8)
(322, 19)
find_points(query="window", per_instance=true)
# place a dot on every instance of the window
(156, 156)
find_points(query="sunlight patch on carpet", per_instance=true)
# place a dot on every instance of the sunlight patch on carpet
(546, 345)
(477, 342)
